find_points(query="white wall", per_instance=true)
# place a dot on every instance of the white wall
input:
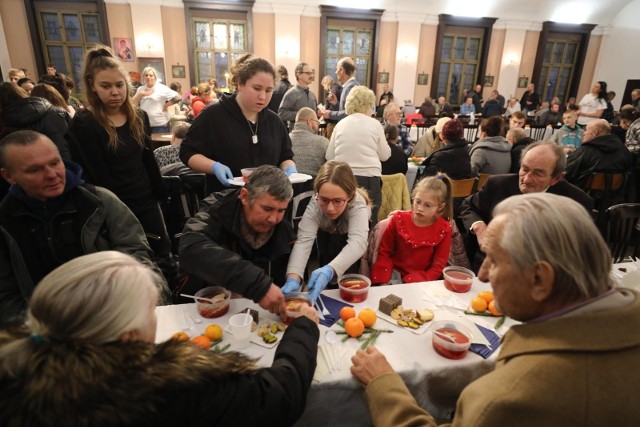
(618, 60)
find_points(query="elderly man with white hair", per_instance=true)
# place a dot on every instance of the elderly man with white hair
(572, 361)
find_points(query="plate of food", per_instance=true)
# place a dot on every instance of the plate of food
(391, 310)
(416, 160)
(266, 334)
(295, 178)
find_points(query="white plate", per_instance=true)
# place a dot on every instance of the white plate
(254, 338)
(295, 178)
(421, 330)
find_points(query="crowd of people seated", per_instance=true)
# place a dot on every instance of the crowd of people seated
(83, 210)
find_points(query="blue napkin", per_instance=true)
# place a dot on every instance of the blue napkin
(482, 350)
(334, 306)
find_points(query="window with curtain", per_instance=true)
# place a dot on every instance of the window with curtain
(459, 65)
(218, 44)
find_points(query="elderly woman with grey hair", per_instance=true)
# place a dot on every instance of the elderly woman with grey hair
(91, 332)
(359, 140)
(154, 98)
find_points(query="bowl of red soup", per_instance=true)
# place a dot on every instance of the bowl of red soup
(450, 339)
(216, 303)
(458, 279)
(293, 302)
(354, 287)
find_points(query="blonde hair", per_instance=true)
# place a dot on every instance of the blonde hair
(361, 99)
(440, 185)
(339, 173)
(99, 59)
(94, 299)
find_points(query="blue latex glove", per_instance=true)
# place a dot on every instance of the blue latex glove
(319, 280)
(291, 169)
(291, 285)
(222, 173)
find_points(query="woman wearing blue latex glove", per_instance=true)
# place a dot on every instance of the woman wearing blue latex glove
(239, 131)
(338, 216)
(291, 285)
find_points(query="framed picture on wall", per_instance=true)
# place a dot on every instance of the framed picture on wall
(423, 79)
(523, 82)
(383, 78)
(124, 49)
(488, 81)
(178, 72)
(157, 64)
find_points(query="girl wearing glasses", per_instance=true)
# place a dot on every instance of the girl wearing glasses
(415, 245)
(338, 216)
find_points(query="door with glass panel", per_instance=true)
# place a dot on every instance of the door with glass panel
(218, 44)
(353, 42)
(459, 65)
(65, 36)
(557, 68)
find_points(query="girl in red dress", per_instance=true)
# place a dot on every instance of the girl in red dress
(416, 243)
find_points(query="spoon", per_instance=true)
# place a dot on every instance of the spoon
(196, 320)
(215, 299)
(336, 344)
(186, 326)
(445, 337)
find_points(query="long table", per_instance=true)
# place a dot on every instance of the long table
(336, 398)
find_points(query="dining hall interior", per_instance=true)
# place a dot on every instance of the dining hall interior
(496, 287)
(499, 43)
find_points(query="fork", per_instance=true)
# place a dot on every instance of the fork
(322, 307)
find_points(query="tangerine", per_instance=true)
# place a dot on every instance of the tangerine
(354, 327)
(180, 336)
(347, 313)
(493, 309)
(368, 317)
(214, 332)
(486, 295)
(479, 304)
(202, 341)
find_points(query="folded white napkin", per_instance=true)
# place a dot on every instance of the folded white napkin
(443, 298)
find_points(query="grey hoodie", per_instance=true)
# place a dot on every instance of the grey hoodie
(490, 155)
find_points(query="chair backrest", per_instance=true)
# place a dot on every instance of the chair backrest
(471, 133)
(621, 232)
(410, 118)
(482, 179)
(299, 205)
(537, 132)
(462, 187)
(606, 181)
(395, 194)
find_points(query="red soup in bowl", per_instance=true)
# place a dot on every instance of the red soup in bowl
(354, 287)
(450, 339)
(458, 279)
(293, 303)
(219, 306)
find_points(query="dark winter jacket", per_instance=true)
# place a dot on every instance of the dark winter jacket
(604, 153)
(452, 159)
(170, 384)
(516, 152)
(213, 250)
(40, 115)
(397, 163)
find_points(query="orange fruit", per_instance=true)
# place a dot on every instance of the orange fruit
(486, 295)
(493, 309)
(354, 327)
(213, 332)
(180, 336)
(368, 317)
(202, 341)
(479, 304)
(347, 313)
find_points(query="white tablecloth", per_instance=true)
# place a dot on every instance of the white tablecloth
(412, 171)
(338, 399)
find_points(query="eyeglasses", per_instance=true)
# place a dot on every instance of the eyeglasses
(309, 73)
(425, 205)
(323, 201)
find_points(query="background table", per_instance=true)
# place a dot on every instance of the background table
(337, 399)
(412, 171)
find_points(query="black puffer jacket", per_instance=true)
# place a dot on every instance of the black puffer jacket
(40, 115)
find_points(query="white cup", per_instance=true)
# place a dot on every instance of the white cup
(240, 328)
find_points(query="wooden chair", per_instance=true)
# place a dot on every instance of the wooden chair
(621, 229)
(462, 187)
(600, 181)
(482, 179)
(471, 133)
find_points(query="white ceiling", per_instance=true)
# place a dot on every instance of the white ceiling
(600, 12)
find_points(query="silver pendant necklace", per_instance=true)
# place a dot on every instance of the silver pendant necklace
(254, 135)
